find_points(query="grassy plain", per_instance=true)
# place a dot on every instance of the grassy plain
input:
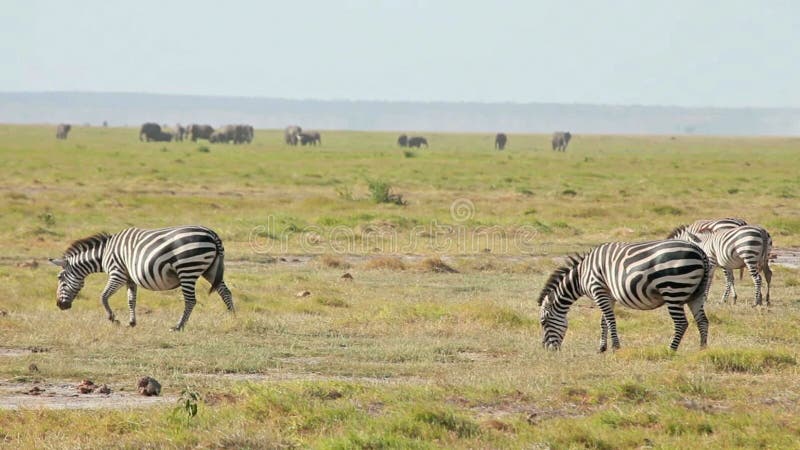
(405, 355)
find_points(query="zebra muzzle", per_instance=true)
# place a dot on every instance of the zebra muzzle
(64, 305)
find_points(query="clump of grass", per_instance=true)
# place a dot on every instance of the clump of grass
(48, 218)
(435, 264)
(409, 154)
(203, 149)
(524, 191)
(385, 263)
(344, 192)
(634, 392)
(446, 421)
(748, 361)
(333, 302)
(660, 353)
(667, 210)
(333, 262)
(381, 192)
(569, 192)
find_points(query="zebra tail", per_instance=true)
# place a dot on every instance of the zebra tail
(218, 266)
(767, 239)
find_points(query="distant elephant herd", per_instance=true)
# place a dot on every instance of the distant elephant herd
(292, 135)
(237, 134)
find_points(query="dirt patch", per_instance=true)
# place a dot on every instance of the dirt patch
(282, 375)
(64, 395)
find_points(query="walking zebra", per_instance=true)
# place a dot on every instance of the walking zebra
(640, 276)
(736, 248)
(157, 260)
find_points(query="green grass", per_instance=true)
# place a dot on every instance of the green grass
(402, 356)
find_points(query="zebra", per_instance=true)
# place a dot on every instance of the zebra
(714, 225)
(158, 260)
(641, 276)
(735, 248)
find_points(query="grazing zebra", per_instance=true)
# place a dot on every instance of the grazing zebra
(640, 276)
(745, 246)
(158, 260)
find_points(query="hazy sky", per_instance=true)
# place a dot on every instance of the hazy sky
(689, 53)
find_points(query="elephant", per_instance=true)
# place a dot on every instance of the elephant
(200, 132)
(150, 131)
(417, 141)
(242, 134)
(290, 134)
(63, 130)
(500, 141)
(163, 136)
(402, 140)
(180, 132)
(561, 140)
(222, 136)
(310, 138)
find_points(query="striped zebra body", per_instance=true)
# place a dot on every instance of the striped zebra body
(157, 260)
(737, 248)
(714, 225)
(640, 276)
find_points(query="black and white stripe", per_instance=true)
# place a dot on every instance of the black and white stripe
(640, 276)
(157, 260)
(736, 248)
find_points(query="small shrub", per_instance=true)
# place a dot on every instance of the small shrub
(733, 191)
(380, 192)
(385, 263)
(435, 264)
(48, 218)
(409, 154)
(344, 192)
(634, 392)
(569, 192)
(203, 149)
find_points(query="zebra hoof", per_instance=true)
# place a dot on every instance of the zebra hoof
(131, 324)
(176, 329)
(602, 349)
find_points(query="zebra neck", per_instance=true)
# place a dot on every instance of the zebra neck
(570, 289)
(89, 260)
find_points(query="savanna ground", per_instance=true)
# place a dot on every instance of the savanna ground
(406, 355)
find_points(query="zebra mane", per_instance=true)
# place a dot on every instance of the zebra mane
(677, 231)
(559, 274)
(86, 243)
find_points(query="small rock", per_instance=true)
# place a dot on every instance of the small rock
(149, 386)
(295, 259)
(104, 389)
(87, 387)
(282, 259)
(33, 368)
(303, 294)
(346, 277)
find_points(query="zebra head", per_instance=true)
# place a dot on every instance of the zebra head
(70, 283)
(554, 324)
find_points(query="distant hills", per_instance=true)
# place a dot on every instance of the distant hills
(121, 109)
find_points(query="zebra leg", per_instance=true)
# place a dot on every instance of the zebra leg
(757, 281)
(225, 293)
(768, 278)
(608, 323)
(729, 286)
(132, 303)
(114, 283)
(681, 324)
(188, 289)
(603, 334)
(696, 306)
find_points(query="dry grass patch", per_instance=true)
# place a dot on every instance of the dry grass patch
(435, 264)
(333, 262)
(385, 263)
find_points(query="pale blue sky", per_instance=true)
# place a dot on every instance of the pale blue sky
(688, 53)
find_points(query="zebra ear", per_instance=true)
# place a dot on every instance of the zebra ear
(59, 262)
